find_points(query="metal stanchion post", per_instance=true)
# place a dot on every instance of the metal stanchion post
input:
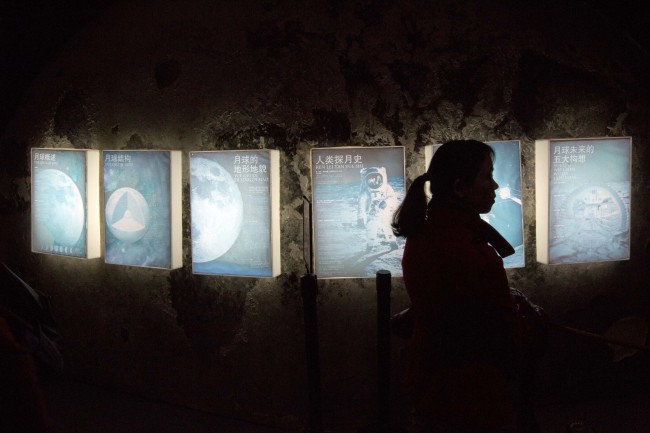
(383, 424)
(383, 349)
(309, 291)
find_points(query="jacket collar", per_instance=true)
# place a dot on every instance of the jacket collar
(484, 231)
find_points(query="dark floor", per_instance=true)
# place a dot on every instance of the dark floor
(630, 414)
(81, 408)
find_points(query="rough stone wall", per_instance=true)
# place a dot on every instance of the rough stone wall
(203, 75)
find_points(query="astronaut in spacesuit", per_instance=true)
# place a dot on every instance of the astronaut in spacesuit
(376, 205)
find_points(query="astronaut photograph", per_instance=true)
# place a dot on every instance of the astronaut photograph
(377, 203)
(356, 190)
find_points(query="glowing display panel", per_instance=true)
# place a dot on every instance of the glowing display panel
(583, 199)
(506, 214)
(65, 202)
(142, 208)
(356, 190)
(235, 208)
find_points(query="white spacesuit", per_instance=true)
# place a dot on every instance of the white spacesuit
(377, 203)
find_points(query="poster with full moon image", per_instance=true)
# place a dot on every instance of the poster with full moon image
(234, 198)
(355, 191)
(589, 200)
(137, 207)
(59, 202)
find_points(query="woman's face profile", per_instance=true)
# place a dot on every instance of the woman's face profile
(480, 193)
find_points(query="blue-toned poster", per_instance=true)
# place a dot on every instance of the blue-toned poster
(235, 215)
(589, 200)
(137, 207)
(356, 190)
(59, 202)
(506, 214)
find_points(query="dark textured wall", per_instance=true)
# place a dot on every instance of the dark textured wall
(203, 75)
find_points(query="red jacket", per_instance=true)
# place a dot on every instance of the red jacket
(464, 331)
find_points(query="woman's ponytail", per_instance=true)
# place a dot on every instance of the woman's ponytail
(412, 213)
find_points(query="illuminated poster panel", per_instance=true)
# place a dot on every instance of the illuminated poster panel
(142, 208)
(235, 208)
(506, 214)
(583, 199)
(356, 190)
(65, 202)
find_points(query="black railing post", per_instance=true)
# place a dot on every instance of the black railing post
(383, 423)
(383, 349)
(309, 291)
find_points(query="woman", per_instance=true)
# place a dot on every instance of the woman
(464, 339)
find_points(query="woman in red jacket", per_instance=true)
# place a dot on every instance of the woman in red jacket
(463, 346)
